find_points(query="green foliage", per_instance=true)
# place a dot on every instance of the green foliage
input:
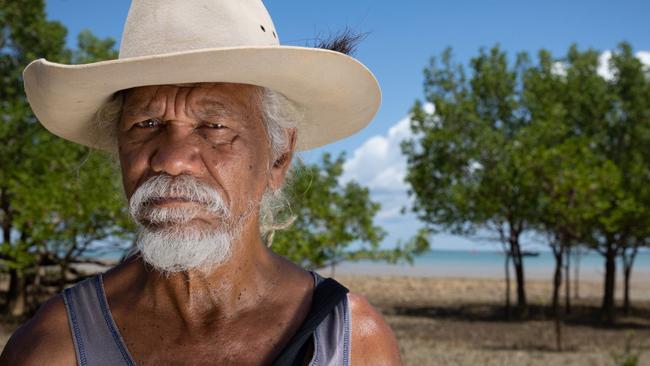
(464, 163)
(551, 147)
(334, 222)
(58, 198)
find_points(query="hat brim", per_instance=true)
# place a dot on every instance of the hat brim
(338, 94)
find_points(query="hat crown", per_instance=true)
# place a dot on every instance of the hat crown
(156, 27)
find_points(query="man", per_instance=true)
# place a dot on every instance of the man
(204, 110)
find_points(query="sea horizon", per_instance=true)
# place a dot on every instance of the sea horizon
(491, 264)
(472, 263)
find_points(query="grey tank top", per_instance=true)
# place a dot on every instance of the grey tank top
(98, 342)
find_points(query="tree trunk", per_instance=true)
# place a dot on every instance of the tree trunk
(517, 260)
(628, 262)
(557, 283)
(626, 298)
(63, 269)
(16, 296)
(557, 280)
(567, 284)
(576, 274)
(508, 302)
(610, 284)
(7, 223)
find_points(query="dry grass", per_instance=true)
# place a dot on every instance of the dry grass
(448, 321)
(462, 322)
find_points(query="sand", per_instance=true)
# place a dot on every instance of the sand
(456, 321)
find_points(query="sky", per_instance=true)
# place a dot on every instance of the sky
(401, 38)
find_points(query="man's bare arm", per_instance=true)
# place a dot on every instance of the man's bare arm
(43, 340)
(372, 340)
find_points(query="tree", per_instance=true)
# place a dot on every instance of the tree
(334, 222)
(631, 116)
(57, 199)
(465, 164)
(555, 148)
(612, 113)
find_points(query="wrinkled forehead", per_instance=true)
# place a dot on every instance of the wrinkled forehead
(206, 97)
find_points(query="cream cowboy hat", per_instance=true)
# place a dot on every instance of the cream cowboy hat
(181, 41)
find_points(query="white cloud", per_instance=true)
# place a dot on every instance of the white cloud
(559, 68)
(429, 108)
(379, 165)
(378, 162)
(604, 70)
(603, 65)
(644, 56)
(607, 73)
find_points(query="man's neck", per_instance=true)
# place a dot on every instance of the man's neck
(249, 278)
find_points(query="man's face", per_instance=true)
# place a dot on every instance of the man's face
(211, 132)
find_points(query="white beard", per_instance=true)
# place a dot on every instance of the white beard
(167, 240)
(175, 249)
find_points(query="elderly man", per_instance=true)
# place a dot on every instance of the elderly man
(204, 110)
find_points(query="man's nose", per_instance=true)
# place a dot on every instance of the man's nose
(177, 153)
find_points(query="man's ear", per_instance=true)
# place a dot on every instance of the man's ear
(282, 163)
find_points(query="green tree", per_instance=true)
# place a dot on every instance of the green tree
(629, 149)
(552, 148)
(465, 164)
(57, 199)
(572, 178)
(334, 222)
(613, 116)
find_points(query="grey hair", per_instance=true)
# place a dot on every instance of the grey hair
(279, 114)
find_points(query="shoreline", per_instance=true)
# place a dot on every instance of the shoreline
(537, 274)
(471, 290)
(490, 264)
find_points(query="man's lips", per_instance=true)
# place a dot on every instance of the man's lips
(162, 201)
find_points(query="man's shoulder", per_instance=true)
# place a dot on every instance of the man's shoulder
(43, 340)
(373, 341)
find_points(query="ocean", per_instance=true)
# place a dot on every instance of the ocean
(476, 264)
(489, 264)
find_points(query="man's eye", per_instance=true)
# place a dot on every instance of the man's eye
(151, 122)
(216, 126)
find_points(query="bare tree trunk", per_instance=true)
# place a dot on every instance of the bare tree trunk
(517, 260)
(626, 299)
(17, 294)
(63, 270)
(557, 283)
(7, 223)
(567, 284)
(557, 278)
(576, 274)
(610, 284)
(508, 301)
(628, 262)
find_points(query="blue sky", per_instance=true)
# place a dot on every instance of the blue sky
(402, 37)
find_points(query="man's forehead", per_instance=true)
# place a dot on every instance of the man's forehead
(210, 98)
(205, 88)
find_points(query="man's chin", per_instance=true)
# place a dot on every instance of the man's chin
(178, 248)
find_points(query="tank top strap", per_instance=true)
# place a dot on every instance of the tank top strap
(332, 336)
(94, 332)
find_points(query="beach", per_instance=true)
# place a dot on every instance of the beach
(459, 321)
